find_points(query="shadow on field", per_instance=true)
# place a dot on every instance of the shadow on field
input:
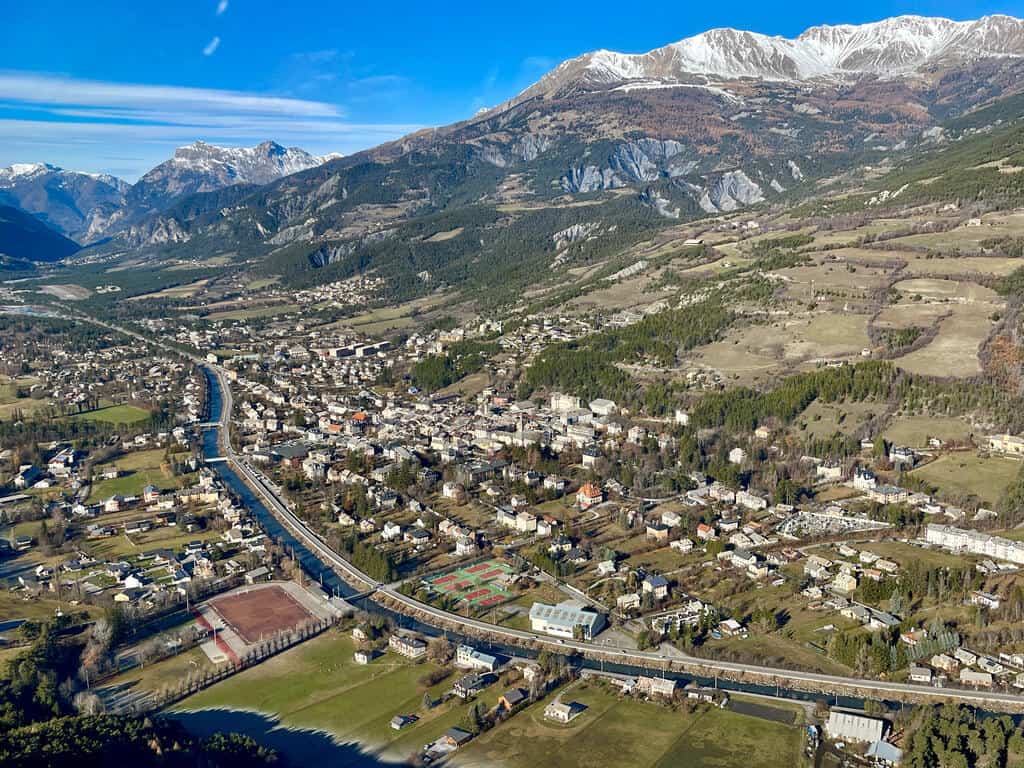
(301, 747)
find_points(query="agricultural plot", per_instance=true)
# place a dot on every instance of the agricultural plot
(735, 360)
(954, 351)
(746, 354)
(254, 313)
(877, 227)
(968, 238)
(186, 291)
(835, 276)
(936, 289)
(478, 585)
(963, 265)
(966, 310)
(908, 314)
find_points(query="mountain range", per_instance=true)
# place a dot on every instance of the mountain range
(711, 124)
(87, 206)
(902, 46)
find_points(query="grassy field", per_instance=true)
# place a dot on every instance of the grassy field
(123, 545)
(635, 733)
(954, 351)
(929, 288)
(750, 353)
(115, 414)
(260, 283)
(254, 313)
(822, 419)
(317, 685)
(914, 431)
(186, 291)
(14, 606)
(391, 318)
(166, 674)
(141, 468)
(906, 314)
(10, 403)
(791, 645)
(902, 553)
(966, 473)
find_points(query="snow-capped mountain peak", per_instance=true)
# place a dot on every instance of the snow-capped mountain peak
(894, 47)
(22, 170)
(263, 163)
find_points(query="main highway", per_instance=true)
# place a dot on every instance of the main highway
(639, 660)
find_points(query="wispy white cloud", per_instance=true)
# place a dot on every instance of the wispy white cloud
(221, 7)
(57, 90)
(57, 119)
(212, 46)
(225, 131)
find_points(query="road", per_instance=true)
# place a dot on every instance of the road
(827, 683)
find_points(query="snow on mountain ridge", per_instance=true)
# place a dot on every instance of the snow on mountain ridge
(259, 164)
(892, 47)
(17, 170)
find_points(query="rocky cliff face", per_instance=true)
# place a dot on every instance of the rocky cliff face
(202, 167)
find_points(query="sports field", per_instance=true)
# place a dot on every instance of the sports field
(475, 584)
(260, 613)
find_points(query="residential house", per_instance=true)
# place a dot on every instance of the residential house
(560, 712)
(468, 686)
(658, 532)
(410, 647)
(513, 699)
(656, 585)
(589, 495)
(468, 657)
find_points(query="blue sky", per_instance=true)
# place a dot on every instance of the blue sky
(115, 86)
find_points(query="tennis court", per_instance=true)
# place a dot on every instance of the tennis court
(482, 585)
